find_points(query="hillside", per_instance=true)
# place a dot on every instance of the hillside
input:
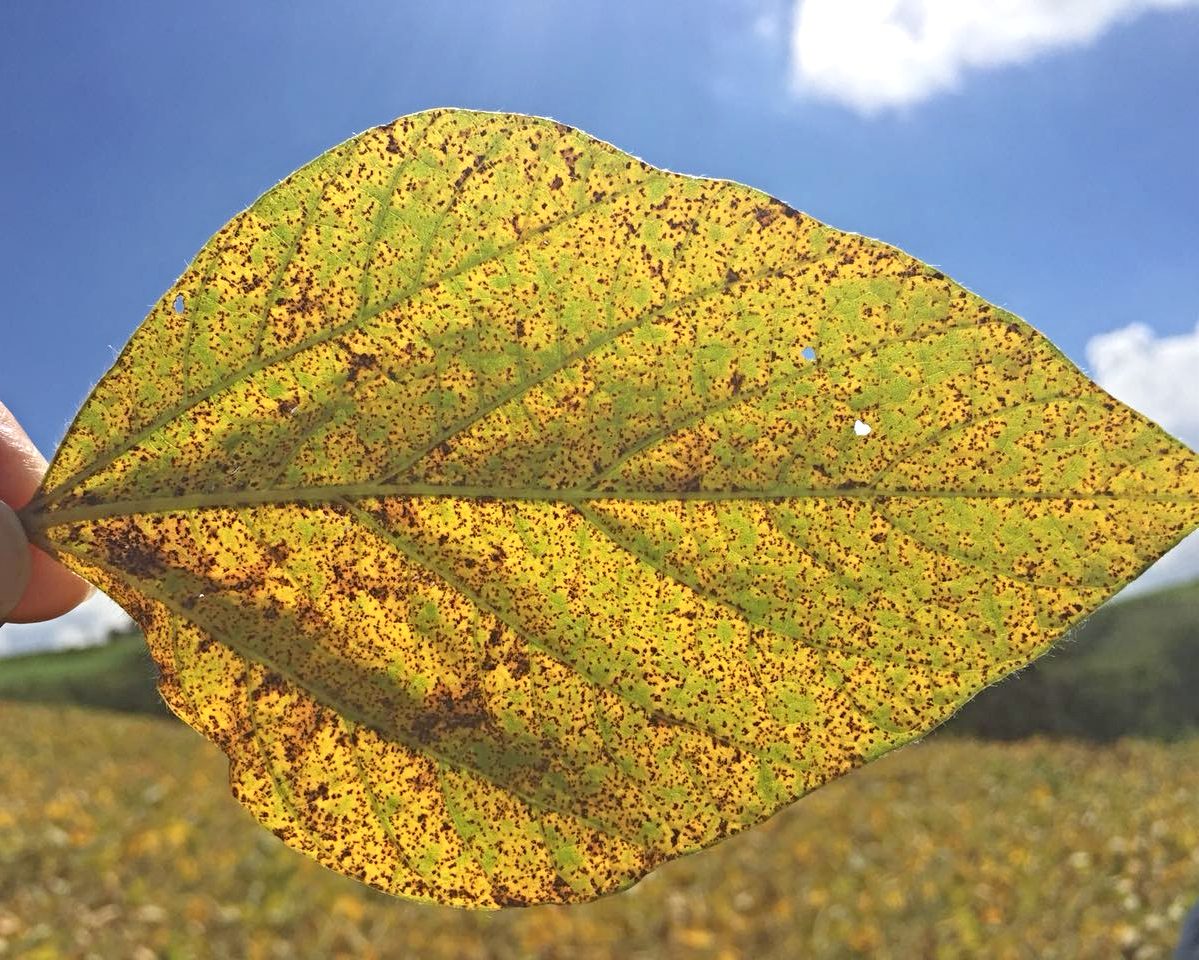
(1132, 670)
(116, 675)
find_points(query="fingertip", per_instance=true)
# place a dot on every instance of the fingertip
(21, 463)
(52, 590)
(33, 586)
(15, 562)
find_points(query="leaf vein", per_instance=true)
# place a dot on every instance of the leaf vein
(322, 336)
(413, 554)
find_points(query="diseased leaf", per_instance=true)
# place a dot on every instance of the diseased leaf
(517, 516)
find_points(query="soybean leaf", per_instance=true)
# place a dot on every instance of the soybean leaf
(517, 516)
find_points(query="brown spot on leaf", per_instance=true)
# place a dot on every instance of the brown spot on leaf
(571, 156)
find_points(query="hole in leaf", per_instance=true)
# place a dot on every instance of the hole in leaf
(179, 303)
(808, 353)
(861, 428)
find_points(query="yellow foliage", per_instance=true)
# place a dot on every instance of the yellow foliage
(1112, 862)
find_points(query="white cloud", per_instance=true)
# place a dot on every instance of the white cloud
(875, 54)
(1159, 376)
(87, 624)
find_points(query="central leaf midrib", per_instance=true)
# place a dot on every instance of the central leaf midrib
(41, 520)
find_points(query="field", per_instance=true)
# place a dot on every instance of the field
(118, 839)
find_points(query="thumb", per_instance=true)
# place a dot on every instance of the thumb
(14, 560)
(52, 588)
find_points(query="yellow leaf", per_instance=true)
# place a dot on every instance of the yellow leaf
(517, 516)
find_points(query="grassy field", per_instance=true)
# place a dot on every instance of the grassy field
(118, 839)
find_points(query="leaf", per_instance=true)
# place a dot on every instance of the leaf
(505, 507)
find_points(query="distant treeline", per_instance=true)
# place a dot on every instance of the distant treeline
(1132, 670)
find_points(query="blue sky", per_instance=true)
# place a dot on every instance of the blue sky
(1050, 163)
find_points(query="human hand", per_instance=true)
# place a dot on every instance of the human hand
(33, 586)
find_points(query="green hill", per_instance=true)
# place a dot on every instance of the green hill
(117, 675)
(1131, 670)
